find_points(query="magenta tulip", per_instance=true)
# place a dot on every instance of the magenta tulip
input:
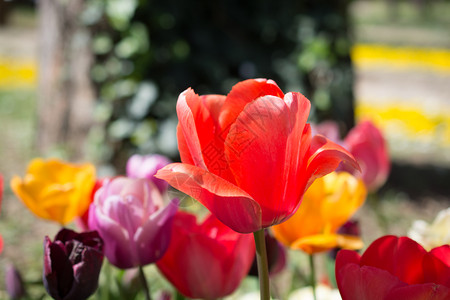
(72, 264)
(130, 216)
(207, 260)
(139, 166)
(366, 143)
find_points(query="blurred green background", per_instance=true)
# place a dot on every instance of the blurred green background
(384, 60)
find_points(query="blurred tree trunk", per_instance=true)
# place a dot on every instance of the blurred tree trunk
(65, 94)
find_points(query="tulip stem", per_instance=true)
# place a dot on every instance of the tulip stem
(263, 267)
(179, 296)
(144, 283)
(313, 275)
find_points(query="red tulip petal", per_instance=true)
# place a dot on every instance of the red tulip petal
(365, 283)
(400, 256)
(362, 283)
(200, 139)
(231, 205)
(442, 253)
(297, 145)
(240, 263)
(206, 261)
(345, 257)
(259, 156)
(183, 147)
(243, 93)
(196, 126)
(436, 266)
(214, 104)
(428, 291)
(324, 157)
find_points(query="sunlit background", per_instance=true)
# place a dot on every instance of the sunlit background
(387, 61)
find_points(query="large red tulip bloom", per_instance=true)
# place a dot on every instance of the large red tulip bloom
(249, 156)
(394, 268)
(206, 260)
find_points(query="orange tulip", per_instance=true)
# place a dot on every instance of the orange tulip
(55, 190)
(327, 205)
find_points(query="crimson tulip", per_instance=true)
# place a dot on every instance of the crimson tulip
(394, 268)
(206, 260)
(249, 156)
(365, 141)
(72, 264)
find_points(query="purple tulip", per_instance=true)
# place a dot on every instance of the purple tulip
(14, 283)
(72, 264)
(130, 216)
(139, 166)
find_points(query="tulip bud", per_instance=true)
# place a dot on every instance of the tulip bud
(14, 283)
(72, 264)
(139, 166)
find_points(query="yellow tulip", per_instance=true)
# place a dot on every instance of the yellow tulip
(328, 203)
(55, 190)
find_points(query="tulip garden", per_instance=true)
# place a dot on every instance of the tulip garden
(266, 184)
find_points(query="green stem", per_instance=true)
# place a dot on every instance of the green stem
(263, 266)
(179, 296)
(313, 275)
(374, 202)
(105, 287)
(144, 283)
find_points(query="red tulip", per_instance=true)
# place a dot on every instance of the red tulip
(207, 260)
(394, 268)
(366, 143)
(249, 156)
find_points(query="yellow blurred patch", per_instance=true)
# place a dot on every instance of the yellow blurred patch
(411, 122)
(17, 73)
(379, 56)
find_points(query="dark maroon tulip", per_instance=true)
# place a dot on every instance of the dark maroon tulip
(72, 264)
